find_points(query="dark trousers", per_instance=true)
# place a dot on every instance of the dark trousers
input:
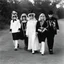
(26, 41)
(42, 37)
(50, 40)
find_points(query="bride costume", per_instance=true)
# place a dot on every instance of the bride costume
(31, 33)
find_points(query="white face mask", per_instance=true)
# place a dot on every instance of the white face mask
(50, 16)
(31, 18)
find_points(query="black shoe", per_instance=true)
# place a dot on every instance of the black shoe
(42, 54)
(15, 49)
(36, 51)
(51, 51)
(33, 52)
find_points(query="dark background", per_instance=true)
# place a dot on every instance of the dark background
(26, 7)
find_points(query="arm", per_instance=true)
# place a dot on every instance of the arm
(45, 25)
(19, 25)
(57, 26)
(37, 27)
(11, 26)
(27, 28)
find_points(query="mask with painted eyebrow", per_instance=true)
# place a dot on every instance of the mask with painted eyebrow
(14, 16)
(30, 15)
(42, 16)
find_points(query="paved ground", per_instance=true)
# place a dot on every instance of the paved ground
(9, 56)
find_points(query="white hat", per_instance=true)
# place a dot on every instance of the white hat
(23, 15)
(31, 14)
(14, 12)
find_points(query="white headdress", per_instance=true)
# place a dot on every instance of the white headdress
(23, 15)
(33, 14)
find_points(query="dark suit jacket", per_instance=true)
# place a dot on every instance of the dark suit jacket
(38, 26)
(51, 25)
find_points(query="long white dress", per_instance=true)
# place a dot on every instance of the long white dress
(31, 33)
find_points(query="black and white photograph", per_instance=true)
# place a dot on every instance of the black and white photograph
(31, 31)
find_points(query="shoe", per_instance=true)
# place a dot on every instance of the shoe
(50, 51)
(15, 49)
(33, 52)
(42, 54)
(36, 51)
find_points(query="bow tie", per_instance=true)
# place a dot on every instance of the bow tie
(14, 20)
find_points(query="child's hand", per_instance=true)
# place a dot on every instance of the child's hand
(39, 30)
(57, 31)
(44, 30)
(10, 30)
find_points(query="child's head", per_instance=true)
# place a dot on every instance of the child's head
(31, 15)
(23, 16)
(14, 15)
(50, 14)
(42, 17)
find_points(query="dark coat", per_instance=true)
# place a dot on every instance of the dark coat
(38, 26)
(23, 30)
(51, 25)
(41, 35)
